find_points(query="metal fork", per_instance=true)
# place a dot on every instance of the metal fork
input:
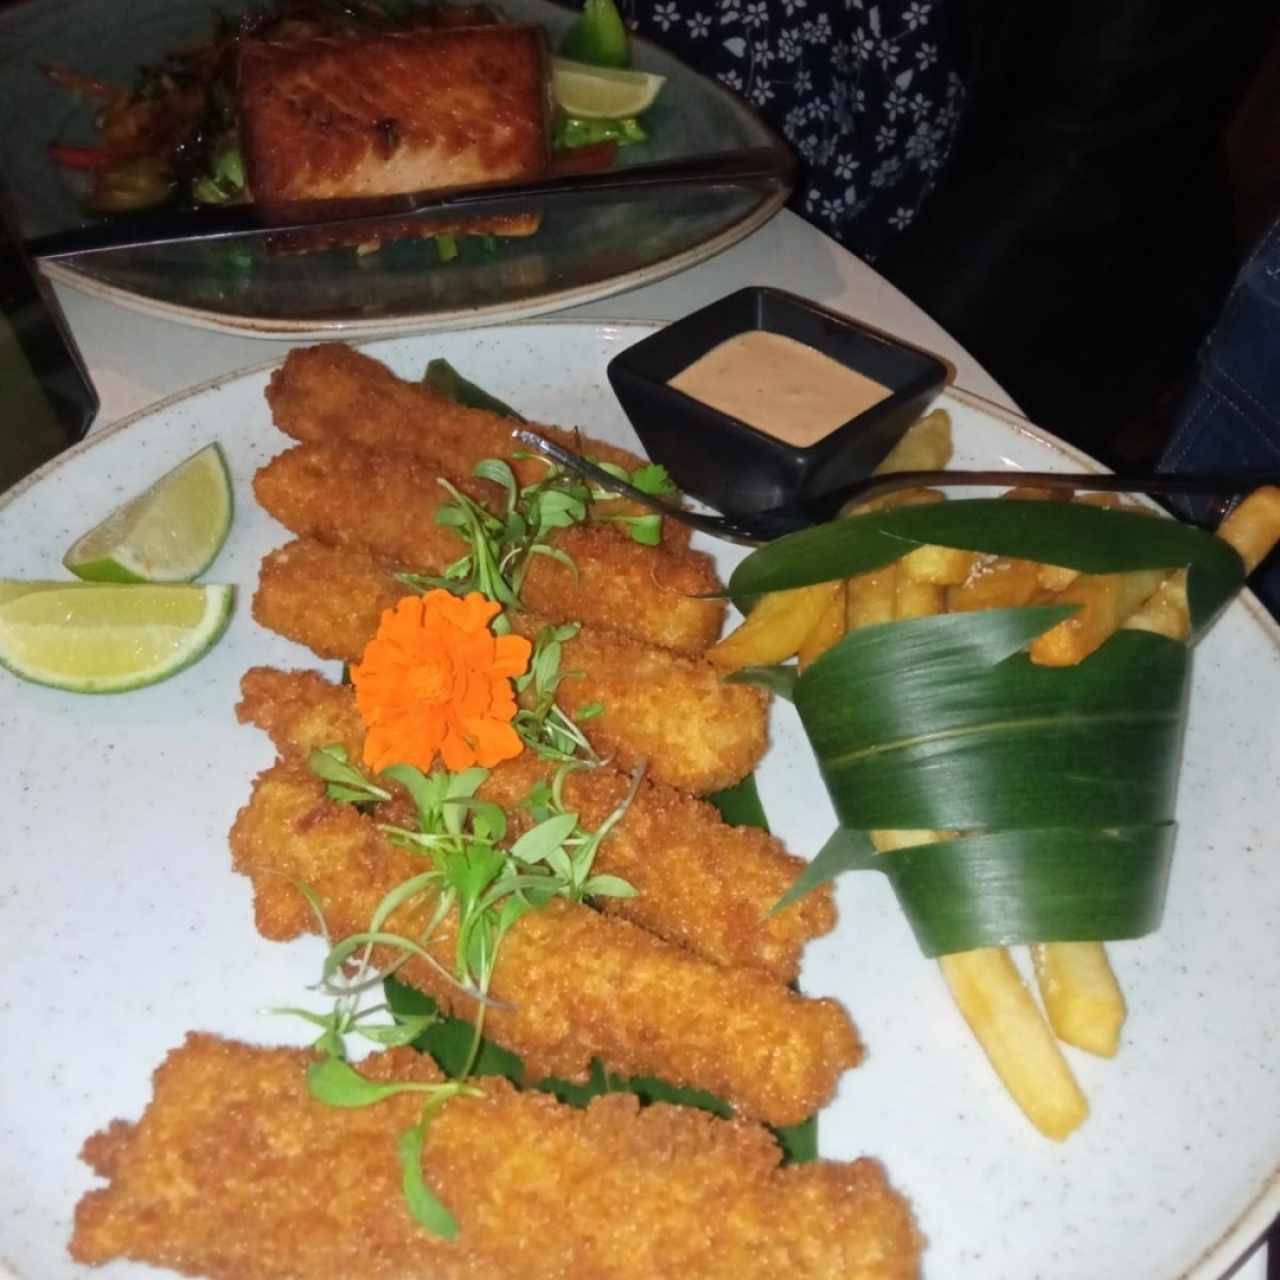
(764, 526)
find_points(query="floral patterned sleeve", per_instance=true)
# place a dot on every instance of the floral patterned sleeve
(869, 95)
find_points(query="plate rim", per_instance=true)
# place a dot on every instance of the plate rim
(405, 326)
(1220, 1258)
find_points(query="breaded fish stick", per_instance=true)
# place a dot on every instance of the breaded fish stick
(235, 1172)
(696, 732)
(332, 394)
(384, 503)
(699, 881)
(572, 984)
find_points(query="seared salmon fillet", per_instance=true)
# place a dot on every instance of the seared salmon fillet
(404, 111)
(698, 881)
(235, 1172)
(394, 112)
(570, 983)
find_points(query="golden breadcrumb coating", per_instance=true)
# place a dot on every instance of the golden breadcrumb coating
(331, 393)
(699, 881)
(694, 731)
(573, 984)
(384, 503)
(236, 1173)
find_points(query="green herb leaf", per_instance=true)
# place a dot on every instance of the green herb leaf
(393, 1035)
(500, 473)
(346, 782)
(606, 886)
(426, 1209)
(576, 131)
(539, 841)
(337, 1084)
(646, 530)
(655, 480)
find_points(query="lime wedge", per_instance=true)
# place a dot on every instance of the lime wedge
(105, 638)
(598, 36)
(170, 533)
(602, 93)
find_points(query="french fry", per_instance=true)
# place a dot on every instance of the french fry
(829, 629)
(1084, 1002)
(995, 582)
(925, 446)
(872, 598)
(1029, 493)
(1015, 1036)
(1253, 528)
(941, 566)
(1007, 1022)
(775, 629)
(1105, 600)
(1055, 577)
(916, 599)
(1166, 613)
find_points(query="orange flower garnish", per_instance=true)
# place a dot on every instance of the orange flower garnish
(436, 679)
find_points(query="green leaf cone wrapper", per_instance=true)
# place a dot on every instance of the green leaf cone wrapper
(1063, 780)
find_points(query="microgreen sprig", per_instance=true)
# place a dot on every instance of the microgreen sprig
(652, 479)
(543, 725)
(502, 544)
(472, 876)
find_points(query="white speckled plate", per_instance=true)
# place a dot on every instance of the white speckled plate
(121, 925)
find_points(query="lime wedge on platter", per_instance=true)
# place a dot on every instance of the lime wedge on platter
(170, 533)
(106, 638)
(602, 93)
(598, 36)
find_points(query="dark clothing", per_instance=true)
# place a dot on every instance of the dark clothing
(868, 94)
(1231, 418)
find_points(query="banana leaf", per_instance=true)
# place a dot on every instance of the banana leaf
(1061, 781)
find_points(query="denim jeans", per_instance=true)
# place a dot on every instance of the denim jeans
(1231, 417)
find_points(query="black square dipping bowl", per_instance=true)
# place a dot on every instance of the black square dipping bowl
(730, 465)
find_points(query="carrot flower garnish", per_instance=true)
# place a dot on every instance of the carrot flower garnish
(436, 680)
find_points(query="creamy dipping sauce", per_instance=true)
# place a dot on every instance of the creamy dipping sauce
(785, 388)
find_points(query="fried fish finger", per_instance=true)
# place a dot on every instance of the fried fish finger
(699, 881)
(385, 503)
(235, 1172)
(572, 985)
(695, 732)
(331, 394)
